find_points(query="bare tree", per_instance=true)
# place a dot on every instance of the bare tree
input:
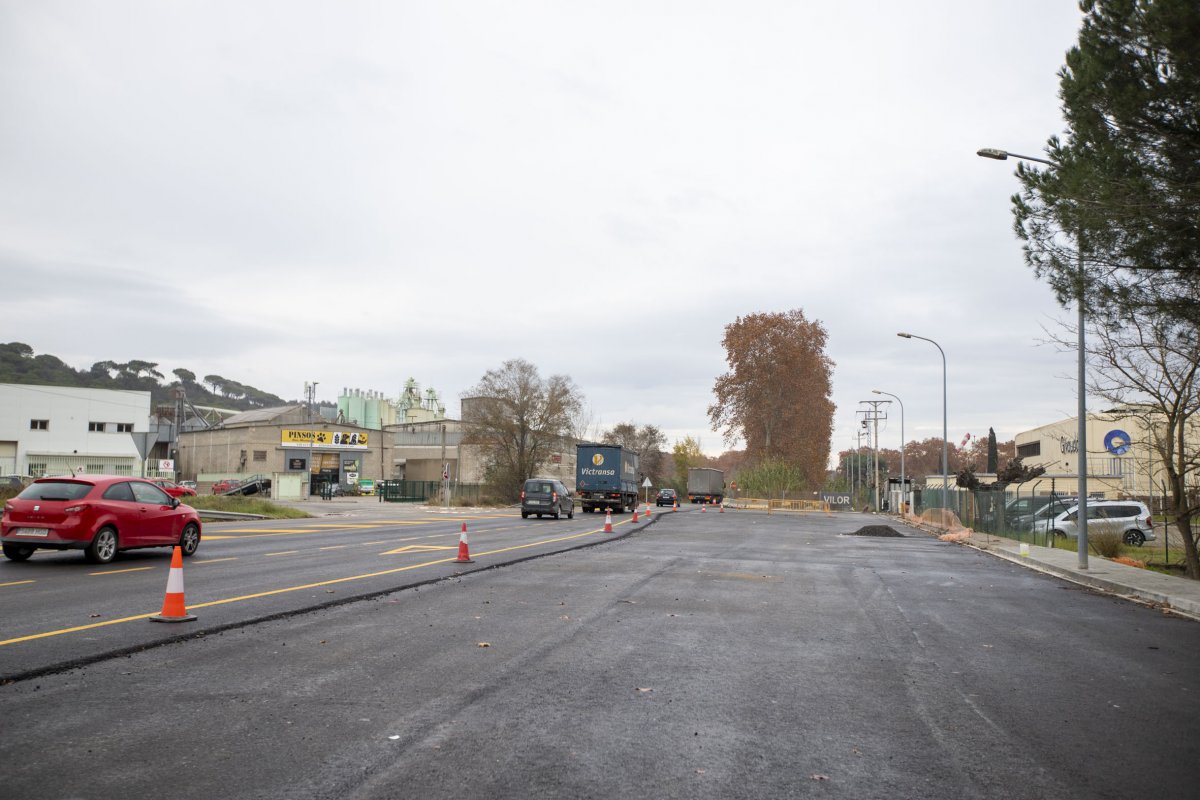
(519, 419)
(1153, 362)
(648, 441)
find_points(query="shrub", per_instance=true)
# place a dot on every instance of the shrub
(1106, 544)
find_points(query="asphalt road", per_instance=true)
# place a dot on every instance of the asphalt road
(60, 610)
(715, 655)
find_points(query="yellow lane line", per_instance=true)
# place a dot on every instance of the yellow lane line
(254, 533)
(418, 548)
(119, 571)
(214, 560)
(16, 583)
(286, 590)
(283, 553)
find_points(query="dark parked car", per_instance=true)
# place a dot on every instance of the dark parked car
(546, 496)
(666, 497)
(98, 514)
(13, 482)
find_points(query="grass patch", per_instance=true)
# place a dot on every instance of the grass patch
(243, 504)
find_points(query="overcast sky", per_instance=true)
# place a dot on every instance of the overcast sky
(359, 192)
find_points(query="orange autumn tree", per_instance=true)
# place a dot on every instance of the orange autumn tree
(775, 398)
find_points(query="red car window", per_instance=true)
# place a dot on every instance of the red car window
(149, 493)
(55, 490)
(119, 491)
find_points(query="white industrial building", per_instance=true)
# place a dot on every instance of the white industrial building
(56, 430)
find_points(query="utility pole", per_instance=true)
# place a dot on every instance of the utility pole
(445, 471)
(873, 415)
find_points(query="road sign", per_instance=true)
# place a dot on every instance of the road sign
(646, 484)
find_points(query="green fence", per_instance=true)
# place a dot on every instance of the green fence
(426, 491)
(986, 511)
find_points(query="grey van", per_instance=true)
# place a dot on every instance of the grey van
(546, 496)
(1128, 518)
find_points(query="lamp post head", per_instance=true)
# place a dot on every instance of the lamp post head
(876, 391)
(904, 335)
(992, 152)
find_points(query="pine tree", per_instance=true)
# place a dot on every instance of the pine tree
(1124, 194)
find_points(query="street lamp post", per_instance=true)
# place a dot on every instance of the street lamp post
(903, 482)
(945, 427)
(1003, 155)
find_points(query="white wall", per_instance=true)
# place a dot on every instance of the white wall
(69, 411)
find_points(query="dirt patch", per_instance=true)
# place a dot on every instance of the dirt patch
(877, 530)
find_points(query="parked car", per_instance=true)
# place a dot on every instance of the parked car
(666, 497)
(220, 487)
(1129, 518)
(546, 496)
(1045, 508)
(172, 488)
(188, 484)
(14, 482)
(98, 514)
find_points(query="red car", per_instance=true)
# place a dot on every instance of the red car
(172, 488)
(98, 514)
(220, 487)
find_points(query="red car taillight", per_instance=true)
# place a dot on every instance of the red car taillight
(1150, 520)
(522, 495)
(554, 496)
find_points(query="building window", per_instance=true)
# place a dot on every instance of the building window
(39, 424)
(260, 455)
(122, 469)
(124, 427)
(96, 427)
(95, 469)
(37, 469)
(1029, 450)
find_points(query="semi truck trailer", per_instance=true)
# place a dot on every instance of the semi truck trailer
(705, 485)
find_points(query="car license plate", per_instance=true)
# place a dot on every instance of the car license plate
(536, 502)
(31, 532)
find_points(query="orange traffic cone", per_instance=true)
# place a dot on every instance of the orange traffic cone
(647, 509)
(464, 553)
(722, 507)
(174, 609)
(676, 507)
(703, 507)
(608, 520)
(634, 519)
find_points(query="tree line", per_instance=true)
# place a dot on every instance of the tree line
(20, 364)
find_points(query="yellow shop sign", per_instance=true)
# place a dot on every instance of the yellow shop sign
(340, 439)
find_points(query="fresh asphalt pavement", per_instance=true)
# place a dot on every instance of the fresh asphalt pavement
(706, 655)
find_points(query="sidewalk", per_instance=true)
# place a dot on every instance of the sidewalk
(1180, 595)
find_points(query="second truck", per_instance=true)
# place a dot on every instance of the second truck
(705, 485)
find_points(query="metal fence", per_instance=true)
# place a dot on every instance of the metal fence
(393, 491)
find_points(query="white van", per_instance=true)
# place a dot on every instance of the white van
(1129, 518)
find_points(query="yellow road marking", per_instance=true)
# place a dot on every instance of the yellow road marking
(417, 548)
(283, 553)
(301, 588)
(16, 583)
(214, 560)
(119, 571)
